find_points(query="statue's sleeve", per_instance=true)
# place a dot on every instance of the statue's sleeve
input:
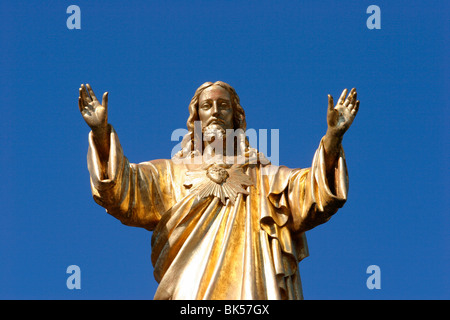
(313, 197)
(129, 192)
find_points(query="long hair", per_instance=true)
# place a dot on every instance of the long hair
(188, 145)
(238, 112)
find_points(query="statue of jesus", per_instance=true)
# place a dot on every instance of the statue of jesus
(222, 229)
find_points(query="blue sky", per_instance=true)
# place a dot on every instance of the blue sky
(283, 58)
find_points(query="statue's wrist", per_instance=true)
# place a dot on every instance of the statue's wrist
(333, 136)
(101, 130)
(332, 143)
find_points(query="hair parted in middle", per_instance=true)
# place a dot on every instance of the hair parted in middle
(188, 146)
(238, 112)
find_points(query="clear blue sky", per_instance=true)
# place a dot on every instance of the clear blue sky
(283, 58)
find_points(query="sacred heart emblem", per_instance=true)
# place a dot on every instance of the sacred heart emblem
(224, 182)
(217, 174)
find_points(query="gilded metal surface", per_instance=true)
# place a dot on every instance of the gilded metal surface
(222, 229)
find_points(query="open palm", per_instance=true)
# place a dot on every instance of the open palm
(341, 116)
(94, 113)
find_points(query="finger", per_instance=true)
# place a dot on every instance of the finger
(84, 95)
(80, 92)
(83, 98)
(354, 95)
(355, 109)
(347, 101)
(351, 99)
(80, 104)
(91, 92)
(330, 103)
(105, 100)
(342, 97)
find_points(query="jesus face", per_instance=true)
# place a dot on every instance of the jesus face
(215, 110)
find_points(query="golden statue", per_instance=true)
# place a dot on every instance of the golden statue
(226, 225)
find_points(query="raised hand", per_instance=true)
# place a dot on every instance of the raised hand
(339, 119)
(94, 113)
(341, 116)
(96, 116)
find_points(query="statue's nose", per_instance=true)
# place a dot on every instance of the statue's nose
(215, 108)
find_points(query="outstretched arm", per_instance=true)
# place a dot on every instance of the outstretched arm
(316, 194)
(339, 119)
(129, 192)
(96, 117)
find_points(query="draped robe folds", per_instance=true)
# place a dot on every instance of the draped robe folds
(203, 248)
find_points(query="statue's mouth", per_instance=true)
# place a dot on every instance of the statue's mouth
(215, 121)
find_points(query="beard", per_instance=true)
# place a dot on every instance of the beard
(213, 132)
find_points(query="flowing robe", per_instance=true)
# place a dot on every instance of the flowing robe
(203, 248)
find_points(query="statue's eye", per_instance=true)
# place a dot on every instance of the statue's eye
(206, 106)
